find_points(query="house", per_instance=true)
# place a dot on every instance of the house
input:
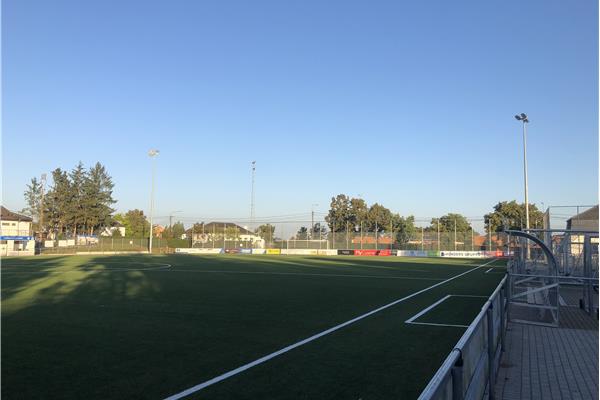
(584, 221)
(158, 231)
(16, 237)
(216, 232)
(110, 230)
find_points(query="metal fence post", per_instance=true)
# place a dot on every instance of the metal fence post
(502, 295)
(457, 379)
(490, 339)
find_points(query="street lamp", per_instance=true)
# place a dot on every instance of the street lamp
(523, 118)
(152, 153)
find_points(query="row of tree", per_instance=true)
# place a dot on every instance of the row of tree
(79, 201)
(353, 214)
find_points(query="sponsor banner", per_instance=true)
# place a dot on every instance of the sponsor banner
(62, 243)
(70, 242)
(327, 252)
(245, 251)
(232, 251)
(345, 252)
(16, 237)
(300, 252)
(371, 252)
(198, 251)
(48, 243)
(273, 251)
(463, 254)
(413, 253)
(258, 251)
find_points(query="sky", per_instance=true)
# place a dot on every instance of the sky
(407, 104)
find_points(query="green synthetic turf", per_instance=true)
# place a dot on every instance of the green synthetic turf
(112, 327)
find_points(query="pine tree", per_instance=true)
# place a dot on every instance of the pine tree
(33, 199)
(97, 198)
(58, 201)
(77, 210)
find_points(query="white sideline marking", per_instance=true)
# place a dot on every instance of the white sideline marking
(261, 360)
(423, 311)
(436, 324)
(437, 303)
(489, 270)
(308, 274)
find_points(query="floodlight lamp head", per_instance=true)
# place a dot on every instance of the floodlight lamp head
(153, 153)
(518, 117)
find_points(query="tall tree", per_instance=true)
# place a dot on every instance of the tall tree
(177, 230)
(58, 202)
(135, 223)
(447, 223)
(378, 218)
(97, 198)
(318, 231)
(302, 233)
(339, 213)
(265, 231)
(33, 199)
(511, 215)
(359, 212)
(403, 228)
(77, 211)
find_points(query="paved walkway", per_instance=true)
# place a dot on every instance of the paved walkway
(551, 363)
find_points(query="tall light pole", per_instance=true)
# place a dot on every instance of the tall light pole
(523, 118)
(252, 196)
(152, 153)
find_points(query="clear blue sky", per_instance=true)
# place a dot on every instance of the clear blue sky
(409, 104)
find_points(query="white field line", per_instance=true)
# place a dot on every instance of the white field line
(437, 303)
(161, 267)
(263, 359)
(491, 269)
(307, 274)
(423, 311)
(435, 324)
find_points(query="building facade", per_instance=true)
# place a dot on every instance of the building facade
(16, 235)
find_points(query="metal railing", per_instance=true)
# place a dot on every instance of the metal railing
(470, 371)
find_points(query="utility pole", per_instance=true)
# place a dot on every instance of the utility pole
(41, 216)
(454, 234)
(312, 219)
(438, 234)
(252, 196)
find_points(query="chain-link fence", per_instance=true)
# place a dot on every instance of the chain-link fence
(290, 235)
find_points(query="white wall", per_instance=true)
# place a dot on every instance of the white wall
(15, 228)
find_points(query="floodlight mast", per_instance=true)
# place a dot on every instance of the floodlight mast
(523, 118)
(153, 153)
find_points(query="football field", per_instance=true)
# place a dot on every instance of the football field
(233, 326)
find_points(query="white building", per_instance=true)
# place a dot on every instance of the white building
(215, 233)
(110, 230)
(16, 236)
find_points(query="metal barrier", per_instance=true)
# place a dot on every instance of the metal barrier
(469, 372)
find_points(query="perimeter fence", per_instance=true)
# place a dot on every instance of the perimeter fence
(288, 235)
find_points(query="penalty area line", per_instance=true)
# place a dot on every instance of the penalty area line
(268, 357)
